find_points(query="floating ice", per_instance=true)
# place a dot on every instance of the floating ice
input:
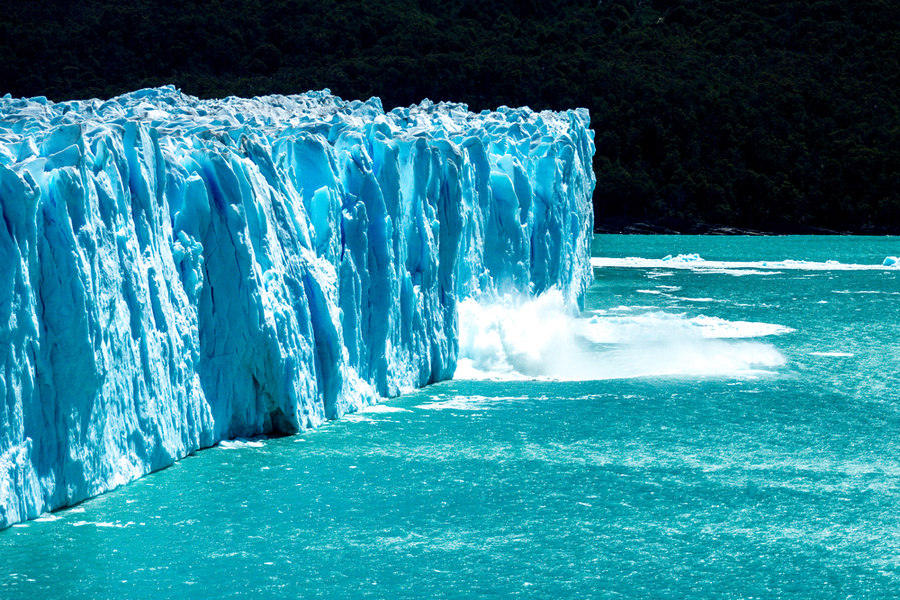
(714, 327)
(891, 261)
(177, 272)
(382, 408)
(240, 444)
(737, 268)
(683, 258)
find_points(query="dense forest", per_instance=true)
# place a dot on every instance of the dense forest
(766, 115)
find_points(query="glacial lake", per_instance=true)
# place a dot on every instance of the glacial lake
(716, 428)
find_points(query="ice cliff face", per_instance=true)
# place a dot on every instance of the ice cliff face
(174, 272)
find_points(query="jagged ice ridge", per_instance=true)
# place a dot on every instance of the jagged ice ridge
(176, 272)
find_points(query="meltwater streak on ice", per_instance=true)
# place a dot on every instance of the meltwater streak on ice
(175, 272)
(543, 338)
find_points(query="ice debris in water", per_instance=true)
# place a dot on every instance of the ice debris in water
(683, 258)
(890, 261)
(175, 272)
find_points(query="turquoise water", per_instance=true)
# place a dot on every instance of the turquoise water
(745, 443)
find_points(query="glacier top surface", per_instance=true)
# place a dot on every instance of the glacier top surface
(173, 112)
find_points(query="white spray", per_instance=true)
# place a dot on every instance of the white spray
(541, 338)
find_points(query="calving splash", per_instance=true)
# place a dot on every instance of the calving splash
(543, 337)
(176, 272)
(519, 338)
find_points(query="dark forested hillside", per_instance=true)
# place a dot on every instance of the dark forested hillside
(770, 115)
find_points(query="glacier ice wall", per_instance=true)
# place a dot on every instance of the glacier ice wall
(175, 272)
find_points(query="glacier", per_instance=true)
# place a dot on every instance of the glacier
(176, 272)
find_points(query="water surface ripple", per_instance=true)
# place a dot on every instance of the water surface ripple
(695, 475)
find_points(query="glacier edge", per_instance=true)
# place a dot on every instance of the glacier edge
(175, 272)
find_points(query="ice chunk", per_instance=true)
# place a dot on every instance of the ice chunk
(683, 258)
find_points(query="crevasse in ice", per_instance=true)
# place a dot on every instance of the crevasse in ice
(176, 272)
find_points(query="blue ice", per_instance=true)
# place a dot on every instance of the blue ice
(177, 272)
